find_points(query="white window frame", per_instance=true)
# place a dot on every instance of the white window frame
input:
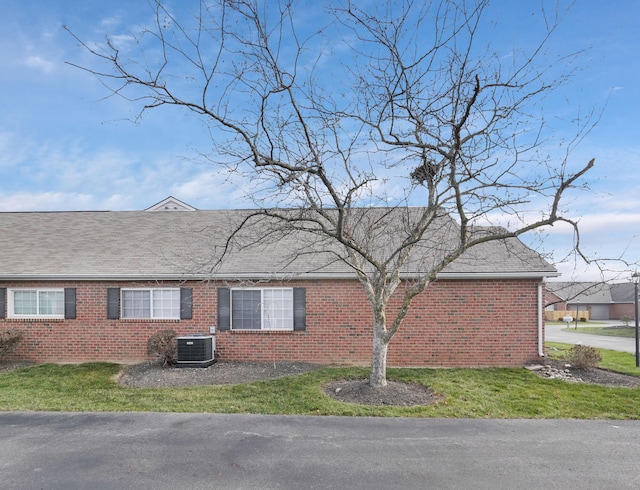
(265, 325)
(154, 296)
(11, 313)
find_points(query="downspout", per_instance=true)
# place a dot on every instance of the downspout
(540, 320)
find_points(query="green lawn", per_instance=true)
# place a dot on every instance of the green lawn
(599, 328)
(466, 393)
(622, 362)
(609, 331)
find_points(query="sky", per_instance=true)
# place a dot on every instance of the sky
(66, 145)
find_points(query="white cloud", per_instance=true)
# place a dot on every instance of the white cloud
(213, 190)
(36, 201)
(71, 175)
(122, 41)
(609, 222)
(111, 22)
(39, 63)
(118, 202)
(580, 271)
(12, 151)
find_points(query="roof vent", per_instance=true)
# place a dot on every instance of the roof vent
(171, 204)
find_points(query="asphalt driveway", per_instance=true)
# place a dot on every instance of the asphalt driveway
(198, 451)
(554, 333)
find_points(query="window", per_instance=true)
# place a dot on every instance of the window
(268, 309)
(262, 309)
(36, 303)
(147, 303)
(151, 303)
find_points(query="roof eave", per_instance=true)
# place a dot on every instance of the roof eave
(497, 275)
(267, 276)
(91, 277)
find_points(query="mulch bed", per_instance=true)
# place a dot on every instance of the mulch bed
(11, 365)
(395, 394)
(152, 374)
(596, 376)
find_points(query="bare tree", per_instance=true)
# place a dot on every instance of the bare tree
(371, 113)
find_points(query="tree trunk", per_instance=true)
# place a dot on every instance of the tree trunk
(378, 375)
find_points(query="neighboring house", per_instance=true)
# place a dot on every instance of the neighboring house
(94, 286)
(592, 300)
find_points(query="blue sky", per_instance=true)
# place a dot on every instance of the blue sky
(65, 145)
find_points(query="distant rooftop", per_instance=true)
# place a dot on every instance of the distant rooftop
(592, 292)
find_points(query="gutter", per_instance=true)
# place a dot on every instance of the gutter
(540, 321)
(262, 276)
(498, 275)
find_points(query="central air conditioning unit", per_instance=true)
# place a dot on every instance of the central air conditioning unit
(195, 350)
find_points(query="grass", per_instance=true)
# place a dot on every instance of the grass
(622, 362)
(598, 328)
(627, 332)
(466, 393)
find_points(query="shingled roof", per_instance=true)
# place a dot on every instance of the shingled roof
(592, 292)
(136, 245)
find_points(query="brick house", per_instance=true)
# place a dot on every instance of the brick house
(591, 300)
(93, 286)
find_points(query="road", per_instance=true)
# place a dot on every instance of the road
(554, 333)
(214, 451)
(197, 451)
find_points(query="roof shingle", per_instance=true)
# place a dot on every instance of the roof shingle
(138, 244)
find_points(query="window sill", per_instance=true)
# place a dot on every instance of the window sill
(149, 320)
(32, 320)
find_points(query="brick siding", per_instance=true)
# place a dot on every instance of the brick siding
(621, 310)
(451, 324)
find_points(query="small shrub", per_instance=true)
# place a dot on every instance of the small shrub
(583, 357)
(8, 340)
(626, 320)
(162, 344)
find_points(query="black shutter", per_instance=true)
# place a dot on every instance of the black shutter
(299, 308)
(186, 303)
(224, 309)
(113, 303)
(70, 303)
(3, 295)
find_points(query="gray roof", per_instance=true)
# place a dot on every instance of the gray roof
(181, 245)
(585, 292)
(622, 292)
(592, 292)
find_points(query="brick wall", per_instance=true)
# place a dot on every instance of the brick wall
(620, 310)
(452, 323)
